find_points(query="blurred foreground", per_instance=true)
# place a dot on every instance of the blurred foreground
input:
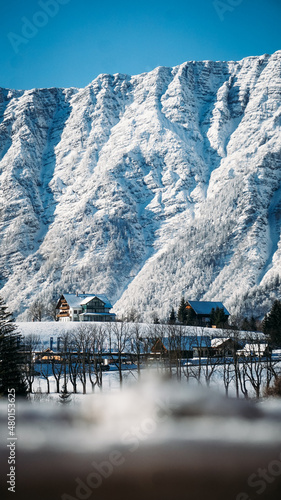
(154, 440)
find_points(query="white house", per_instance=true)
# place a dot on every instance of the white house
(84, 307)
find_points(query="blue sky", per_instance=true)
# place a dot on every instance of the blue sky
(63, 43)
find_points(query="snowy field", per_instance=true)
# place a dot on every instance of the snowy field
(55, 329)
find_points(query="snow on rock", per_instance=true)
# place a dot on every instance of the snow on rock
(145, 188)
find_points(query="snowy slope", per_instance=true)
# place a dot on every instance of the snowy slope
(145, 188)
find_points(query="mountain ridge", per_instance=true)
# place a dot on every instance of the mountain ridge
(145, 187)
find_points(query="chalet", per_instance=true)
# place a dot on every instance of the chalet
(84, 307)
(202, 310)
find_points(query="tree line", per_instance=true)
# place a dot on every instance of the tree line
(270, 325)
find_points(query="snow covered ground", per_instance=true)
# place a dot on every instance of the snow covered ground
(47, 329)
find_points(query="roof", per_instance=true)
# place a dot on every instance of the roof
(201, 307)
(88, 299)
(186, 342)
(218, 342)
(97, 314)
(75, 300)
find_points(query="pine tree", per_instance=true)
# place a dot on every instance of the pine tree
(249, 325)
(190, 319)
(245, 326)
(218, 317)
(182, 312)
(271, 324)
(64, 396)
(11, 356)
(172, 317)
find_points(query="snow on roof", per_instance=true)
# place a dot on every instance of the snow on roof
(201, 307)
(97, 314)
(253, 349)
(76, 300)
(219, 341)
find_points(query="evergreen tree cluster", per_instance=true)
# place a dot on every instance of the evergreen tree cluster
(249, 325)
(187, 316)
(11, 356)
(184, 316)
(218, 317)
(271, 324)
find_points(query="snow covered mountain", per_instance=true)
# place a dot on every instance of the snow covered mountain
(145, 188)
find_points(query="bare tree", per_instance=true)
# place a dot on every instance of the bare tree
(254, 363)
(51, 310)
(57, 370)
(122, 336)
(272, 371)
(82, 342)
(176, 346)
(64, 350)
(100, 338)
(37, 310)
(74, 367)
(31, 344)
(228, 373)
(95, 367)
(45, 372)
(210, 367)
(137, 345)
(158, 338)
(201, 349)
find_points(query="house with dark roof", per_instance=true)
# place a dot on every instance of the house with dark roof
(195, 346)
(185, 346)
(203, 310)
(84, 307)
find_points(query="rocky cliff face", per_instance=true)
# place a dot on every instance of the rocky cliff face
(145, 187)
